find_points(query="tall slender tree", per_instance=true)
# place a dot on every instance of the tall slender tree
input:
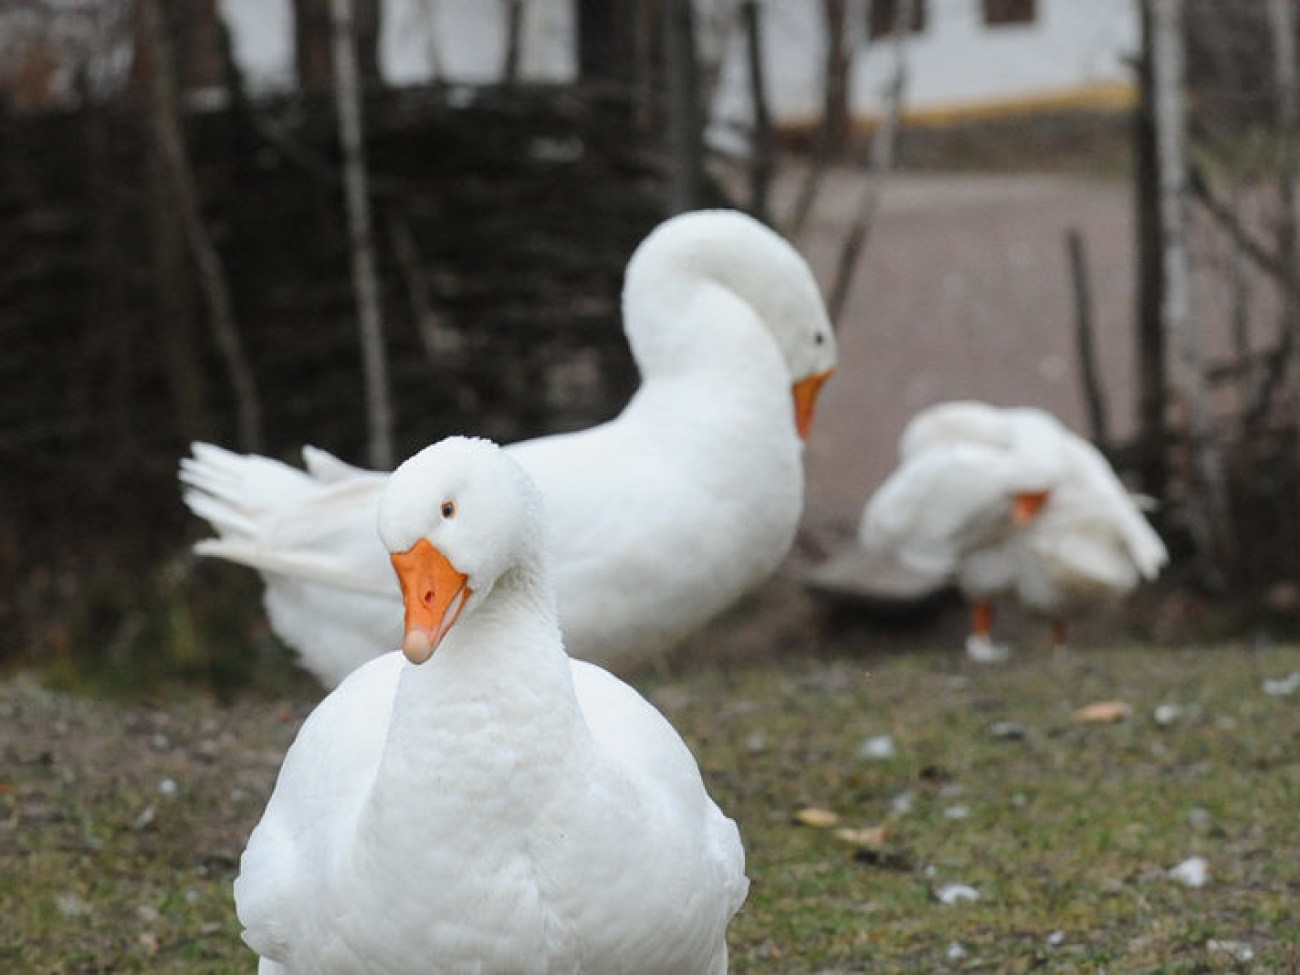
(1152, 382)
(685, 135)
(1207, 504)
(365, 278)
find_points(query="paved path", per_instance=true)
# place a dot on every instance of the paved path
(963, 292)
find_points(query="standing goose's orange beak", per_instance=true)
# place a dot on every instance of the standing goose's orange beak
(434, 594)
(1025, 506)
(805, 398)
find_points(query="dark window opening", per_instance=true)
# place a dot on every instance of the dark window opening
(1010, 11)
(884, 13)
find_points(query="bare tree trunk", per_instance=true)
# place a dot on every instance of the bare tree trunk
(314, 43)
(1152, 383)
(829, 141)
(880, 161)
(365, 280)
(179, 175)
(760, 143)
(311, 45)
(1090, 377)
(685, 138)
(838, 61)
(514, 33)
(1207, 503)
(1282, 17)
(428, 16)
(367, 21)
(646, 37)
(1238, 271)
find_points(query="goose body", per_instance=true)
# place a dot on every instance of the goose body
(499, 807)
(1009, 501)
(660, 518)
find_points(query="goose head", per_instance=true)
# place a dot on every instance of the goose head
(756, 266)
(455, 518)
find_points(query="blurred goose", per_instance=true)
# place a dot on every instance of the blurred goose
(1010, 501)
(658, 520)
(481, 802)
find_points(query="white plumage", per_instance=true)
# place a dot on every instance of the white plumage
(659, 519)
(499, 808)
(951, 507)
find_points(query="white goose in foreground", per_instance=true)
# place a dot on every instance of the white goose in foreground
(485, 803)
(657, 520)
(1010, 501)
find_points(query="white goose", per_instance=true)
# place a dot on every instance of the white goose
(493, 806)
(658, 520)
(1010, 501)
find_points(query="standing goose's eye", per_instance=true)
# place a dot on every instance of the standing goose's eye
(449, 509)
(820, 338)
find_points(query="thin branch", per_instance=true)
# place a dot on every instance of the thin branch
(880, 161)
(1231, 224)
(180, 174)
(760, 144)
(365, 280)
(1089, 374)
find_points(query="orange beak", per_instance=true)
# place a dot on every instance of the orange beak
(805, 398)
(434, 594)
(1025, 506)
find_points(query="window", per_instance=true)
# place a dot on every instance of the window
(880, 24)
(1009, 11)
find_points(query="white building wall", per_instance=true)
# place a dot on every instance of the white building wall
(958, 63)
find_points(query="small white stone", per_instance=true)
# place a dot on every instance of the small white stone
(879, 747)
(1236, 950)
(1056, 939)
(1008, 731)
(147, 913)
(146, 818)
(70, 905)
(167, 787)
(1167, 714)
(903, 803)
(956, 952)
(957, 812)
(1193, 872)
(956, 893)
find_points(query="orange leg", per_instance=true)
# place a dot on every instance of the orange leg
(981, 619)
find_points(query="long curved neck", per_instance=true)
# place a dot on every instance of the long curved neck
(699, 345)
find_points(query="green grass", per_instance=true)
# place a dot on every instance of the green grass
(1071, 829)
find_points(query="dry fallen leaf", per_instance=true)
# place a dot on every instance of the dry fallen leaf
(867, 838)
(1104, 712)
(817, 818)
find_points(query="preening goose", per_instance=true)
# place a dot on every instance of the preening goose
(1009, 501)
(484, 803)
(658, 520)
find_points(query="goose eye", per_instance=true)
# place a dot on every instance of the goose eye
(449, 509)
(820, 338)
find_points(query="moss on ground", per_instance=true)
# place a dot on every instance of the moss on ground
(121, 824)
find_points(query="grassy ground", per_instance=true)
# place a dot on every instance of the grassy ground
(121, 823)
